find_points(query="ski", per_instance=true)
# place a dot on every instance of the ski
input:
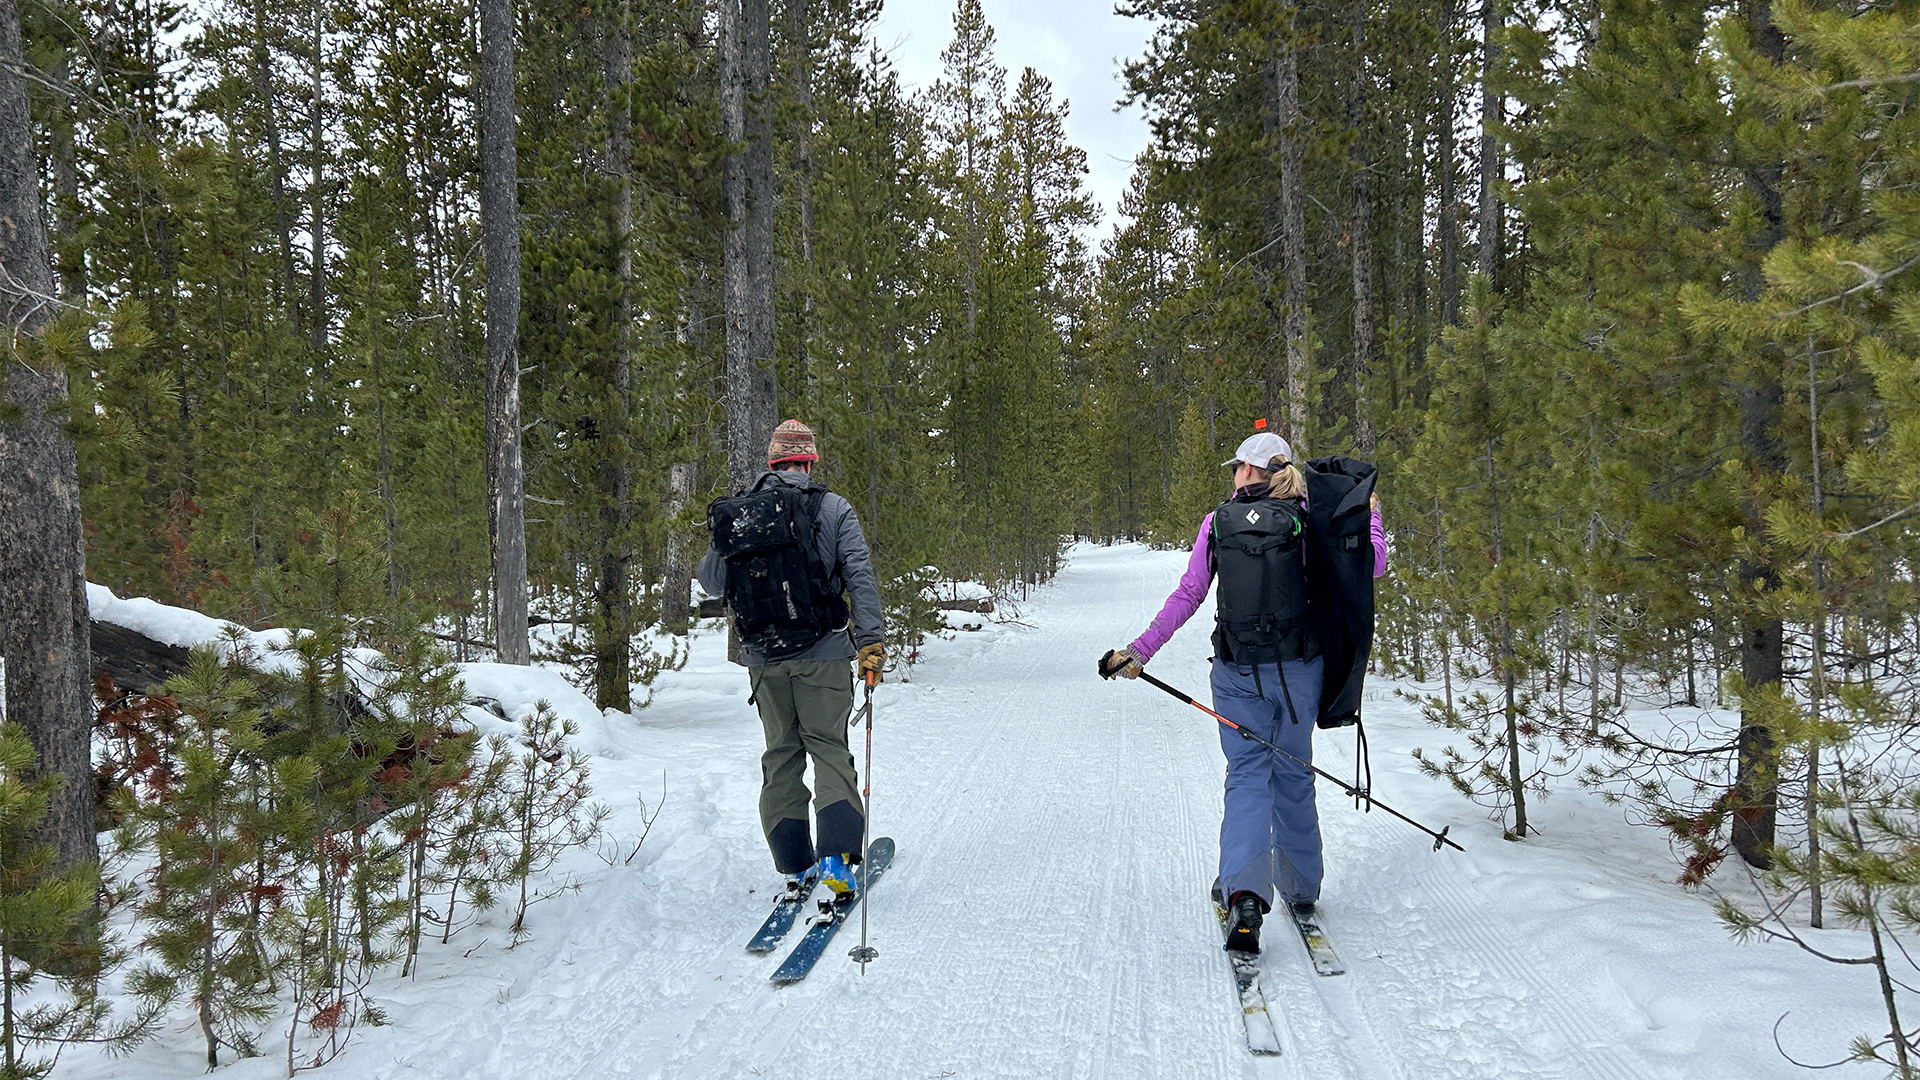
(1319, 949)
(784, 913)
(814, 944)
(1263, 1036)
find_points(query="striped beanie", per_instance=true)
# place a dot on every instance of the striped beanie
(792, 441)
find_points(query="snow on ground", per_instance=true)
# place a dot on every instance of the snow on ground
(1047, 915)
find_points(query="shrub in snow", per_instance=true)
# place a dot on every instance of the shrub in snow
(215, 821)
(48, 931)
(1508, 754)
(305, 827)
(545, 808)
(571, 646)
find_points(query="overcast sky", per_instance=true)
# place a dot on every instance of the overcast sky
(1078, 44)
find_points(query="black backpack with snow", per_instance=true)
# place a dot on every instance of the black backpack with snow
(781, 597)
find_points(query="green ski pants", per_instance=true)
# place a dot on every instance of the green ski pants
(804, 707)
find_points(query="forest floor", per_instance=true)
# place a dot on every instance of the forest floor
(1047, 913)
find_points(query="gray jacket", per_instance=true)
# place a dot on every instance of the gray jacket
(842, 547)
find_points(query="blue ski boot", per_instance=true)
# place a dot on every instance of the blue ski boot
(838, 875)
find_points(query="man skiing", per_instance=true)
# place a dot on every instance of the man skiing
(787, 606)
(1267, 674)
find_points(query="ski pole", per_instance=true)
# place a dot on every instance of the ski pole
(1439, 838)
(864, 953)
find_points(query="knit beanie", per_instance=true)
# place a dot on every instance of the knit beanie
(792, 441)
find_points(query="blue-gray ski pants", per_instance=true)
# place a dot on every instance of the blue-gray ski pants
(1270, 835)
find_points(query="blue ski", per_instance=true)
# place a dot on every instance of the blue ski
(814, 945)
(781, 921)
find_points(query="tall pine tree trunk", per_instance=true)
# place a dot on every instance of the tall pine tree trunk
(1756, 787)
(676, 599)
(264, 89)
(1492, 115)
(1449, 227)
(44, 632)
(500, 224)
(1817, 676)
(1509, 665)
(1286, 222)
(613, 619)
(317, 226)
(747, 252)
(800, 35)
(1361, 239)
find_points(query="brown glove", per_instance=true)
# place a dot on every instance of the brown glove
(873, 659)
(1120, 662)
(1373, 501)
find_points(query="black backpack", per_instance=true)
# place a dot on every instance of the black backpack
(1340, 584)
(782, 599)
(1261, 605)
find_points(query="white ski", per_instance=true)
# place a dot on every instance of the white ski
(1262, 1036)
(1319, 949)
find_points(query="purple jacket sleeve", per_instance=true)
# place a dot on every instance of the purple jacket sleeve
(1186, 599)
(1379, 546)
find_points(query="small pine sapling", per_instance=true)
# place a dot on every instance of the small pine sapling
(546, 807)
(1507, 747)
(208, 826)
(466, 836)
(45, 912)
(420, 700)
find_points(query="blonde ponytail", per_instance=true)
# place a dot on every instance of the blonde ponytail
(1288, 483)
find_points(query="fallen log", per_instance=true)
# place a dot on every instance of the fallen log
(134, 661)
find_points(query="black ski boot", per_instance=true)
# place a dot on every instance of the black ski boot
(1243, 922)
(1302, 909)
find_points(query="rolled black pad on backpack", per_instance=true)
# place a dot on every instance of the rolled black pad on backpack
(1340, 579)
(781, 597)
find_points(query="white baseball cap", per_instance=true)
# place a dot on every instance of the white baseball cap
(1259, 451)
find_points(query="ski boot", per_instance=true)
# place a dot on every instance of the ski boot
(1243, 922)
(799, 886)
(838, 875)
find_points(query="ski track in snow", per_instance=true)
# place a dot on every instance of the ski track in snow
(1046, 914)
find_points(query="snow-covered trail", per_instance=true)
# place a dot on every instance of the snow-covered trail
(1046, 915)
(1041, 918)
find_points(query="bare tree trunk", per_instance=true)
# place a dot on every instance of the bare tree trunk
(1282, 120)
(1817, 678)
(1362, 238)
(747, 254)
(800, 33)
(316, 195)
(44, 632)
(1492, 115)
(500, 222)
(263, 87)
(676, 599)
(613, 621)
(1449, 229)
(1509, 663)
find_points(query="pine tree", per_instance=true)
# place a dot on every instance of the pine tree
(45, 911)
(222, 803)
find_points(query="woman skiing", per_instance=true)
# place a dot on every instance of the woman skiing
(1266, 676)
